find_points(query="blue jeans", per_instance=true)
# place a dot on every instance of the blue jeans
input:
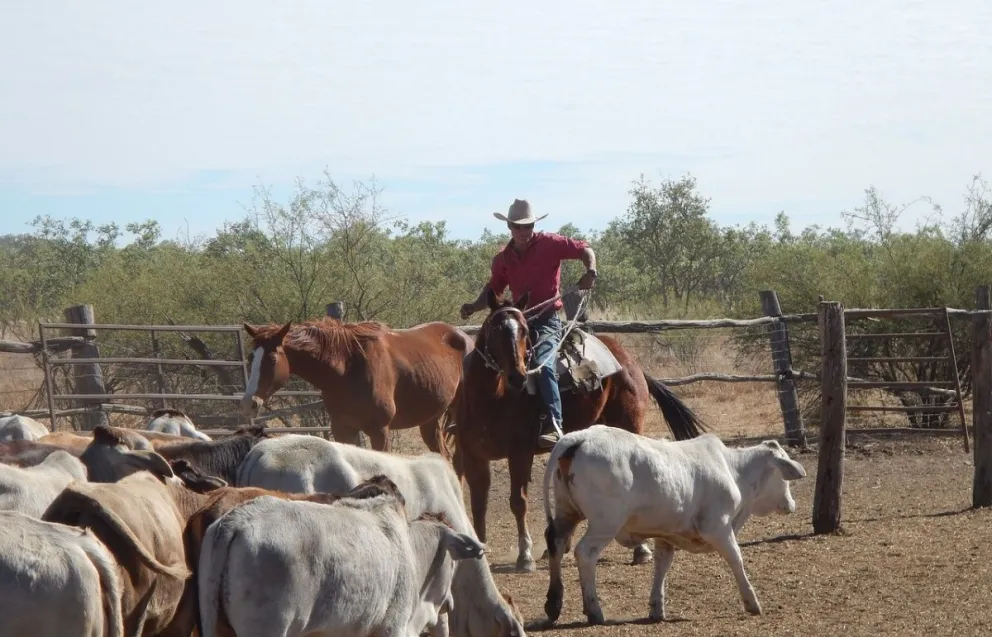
(545, 333)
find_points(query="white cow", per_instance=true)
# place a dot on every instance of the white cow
(17, 427)
(56, 580)
(353, 568)
(308, 464)
(694, 495)
(174, 422)
(31, 489)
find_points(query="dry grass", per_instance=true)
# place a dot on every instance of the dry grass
(911, 558)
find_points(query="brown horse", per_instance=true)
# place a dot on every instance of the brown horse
(372, 378)
(497, 419)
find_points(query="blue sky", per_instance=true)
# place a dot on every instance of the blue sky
(122, 111)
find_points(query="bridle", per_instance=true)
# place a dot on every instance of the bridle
(487, 358)
(491, 363)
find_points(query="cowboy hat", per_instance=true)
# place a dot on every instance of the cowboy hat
(519, 213)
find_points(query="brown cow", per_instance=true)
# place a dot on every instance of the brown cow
(140, 518)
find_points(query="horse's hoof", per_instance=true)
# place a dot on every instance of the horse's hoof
(641, 556)
(552, 607)
(595, 619)
(525, 565)
(657, 612)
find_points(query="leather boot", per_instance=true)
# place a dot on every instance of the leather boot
(550, 431)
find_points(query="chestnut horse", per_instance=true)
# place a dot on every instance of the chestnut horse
(497, 419)
(372, 378)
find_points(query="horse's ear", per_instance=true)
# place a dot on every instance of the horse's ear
(249, 330)
(523, 301)
(281, 334)
(491, 299)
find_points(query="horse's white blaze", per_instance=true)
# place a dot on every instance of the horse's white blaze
(256, 372)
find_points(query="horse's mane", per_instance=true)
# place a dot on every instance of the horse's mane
(328, 338)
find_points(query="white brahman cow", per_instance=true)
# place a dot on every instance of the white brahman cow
(353, 568)
(693, 494)
(31, 489)
(15, 427)
(56, 580)
(308, 464)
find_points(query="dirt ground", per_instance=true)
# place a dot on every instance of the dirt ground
(911, 558)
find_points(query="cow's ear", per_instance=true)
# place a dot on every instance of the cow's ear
(790, 469)
(462, 547)
(150, 461)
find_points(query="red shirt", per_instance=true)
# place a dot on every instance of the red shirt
(538, 268)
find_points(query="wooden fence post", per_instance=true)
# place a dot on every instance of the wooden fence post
(336, 310)
(87, 379)
(159, 372)
(981, 396)
(833, 375)
(788, 398)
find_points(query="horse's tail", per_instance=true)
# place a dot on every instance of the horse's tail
(682, 421)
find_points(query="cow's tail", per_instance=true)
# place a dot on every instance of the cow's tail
(683, 421)
(212, 619)
(117, 531)
(559, 460)
(110, 585)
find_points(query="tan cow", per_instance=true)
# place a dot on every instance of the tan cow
(140, 518)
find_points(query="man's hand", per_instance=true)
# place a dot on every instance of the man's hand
(468, 309)
(588, 280)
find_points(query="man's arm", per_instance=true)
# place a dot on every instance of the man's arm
(588, 258)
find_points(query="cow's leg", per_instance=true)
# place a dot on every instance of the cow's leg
(662, 563)
(478, 479)
(587, 551)
(725, 542)
(558, 536)
(642, 553)
(520, 467)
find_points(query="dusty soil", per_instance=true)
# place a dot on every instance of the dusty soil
(911, 559)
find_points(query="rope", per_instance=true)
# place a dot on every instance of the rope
(550, 357)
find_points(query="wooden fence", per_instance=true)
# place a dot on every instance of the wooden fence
(832, 321)
(91, 400)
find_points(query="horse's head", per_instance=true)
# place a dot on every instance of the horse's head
(269, 367)
(506, 339)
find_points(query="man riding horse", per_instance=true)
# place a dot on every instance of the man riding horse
(531, 261)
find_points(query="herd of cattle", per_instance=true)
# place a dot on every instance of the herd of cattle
(164, 531)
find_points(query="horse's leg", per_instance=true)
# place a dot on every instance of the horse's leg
(520, 467)
(478, 478)
(430, 431)
(343, 431)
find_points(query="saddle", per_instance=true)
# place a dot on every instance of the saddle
(583, 362)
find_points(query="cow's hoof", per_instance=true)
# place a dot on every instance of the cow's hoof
(641, 556)
(753, 608)
(525, 565)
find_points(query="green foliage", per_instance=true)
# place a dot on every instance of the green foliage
(663, 257)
